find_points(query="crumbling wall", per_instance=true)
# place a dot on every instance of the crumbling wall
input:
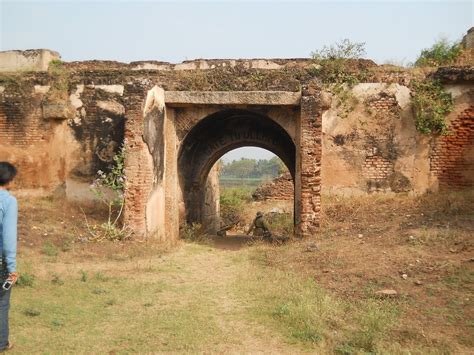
(63, 125)
(452, 155)
(280, 188)
(43, 148)
(376, 147)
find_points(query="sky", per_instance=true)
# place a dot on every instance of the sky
(128, 31)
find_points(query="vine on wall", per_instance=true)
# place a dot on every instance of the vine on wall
(431, 105)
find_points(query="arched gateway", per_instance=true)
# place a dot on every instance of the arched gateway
(184, 133)
(218, 134)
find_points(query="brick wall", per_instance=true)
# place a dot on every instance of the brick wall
(281, 188)
(451, 158)
(377, 170)
(310, 160)
(21, 121)
(138, 163)
(378, 165)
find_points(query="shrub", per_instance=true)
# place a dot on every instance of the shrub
(431, 105)
(231, 204)
(280, 224)
(442, 52)
(193, 232)
(344, 49)
(333, 70)
(114, 182)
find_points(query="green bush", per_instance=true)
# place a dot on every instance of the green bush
(344, 49)
(431, 105)
(442, 52)
(232, 201)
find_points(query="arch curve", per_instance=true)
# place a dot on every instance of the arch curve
(218, 134)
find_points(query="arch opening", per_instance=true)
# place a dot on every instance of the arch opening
(216, 135)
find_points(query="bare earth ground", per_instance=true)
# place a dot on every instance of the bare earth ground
(228, 297)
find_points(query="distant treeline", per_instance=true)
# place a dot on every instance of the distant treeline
(252, 168)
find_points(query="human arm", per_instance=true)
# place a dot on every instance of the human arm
(252, 226)
(10, 222)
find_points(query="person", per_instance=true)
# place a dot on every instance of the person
(8, 234)
(259, 227)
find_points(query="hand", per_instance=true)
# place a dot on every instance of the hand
(13, 277)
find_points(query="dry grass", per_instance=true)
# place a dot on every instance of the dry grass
(368, 243)
(142, 297)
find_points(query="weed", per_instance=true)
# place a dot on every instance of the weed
(84, 276)
(25, 280)
(373, 318)
(459, 278)
(99, 276)
(298, 307)
(56, 63)
(67, 244)
(57, 323)
(31, 312)
(257, 76)
(280, 224)
(50, 249)
(344, 49)
(56, 279)
(110, 302)
(99, 291)
(193, 232)
(231, 204)
(114, 182)
(332, 68)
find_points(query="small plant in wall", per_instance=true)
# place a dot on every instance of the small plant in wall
(331, 66)
(431, 105)
(109, 189)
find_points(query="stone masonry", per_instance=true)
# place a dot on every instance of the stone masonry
(175, 121)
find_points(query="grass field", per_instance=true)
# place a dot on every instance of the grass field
(249, 183)
(135, 297)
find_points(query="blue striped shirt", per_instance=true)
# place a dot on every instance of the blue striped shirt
(8, 228)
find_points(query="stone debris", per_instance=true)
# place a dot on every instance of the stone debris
(312, 247)
(386, 293)
(404, 276)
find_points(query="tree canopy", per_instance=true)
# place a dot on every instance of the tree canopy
(252, 168)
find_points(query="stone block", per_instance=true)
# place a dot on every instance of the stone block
(29, 60)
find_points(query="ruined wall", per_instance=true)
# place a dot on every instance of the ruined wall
(280, 188)
(376, 147)
(452, 156)
(44, 149)
(63, 125)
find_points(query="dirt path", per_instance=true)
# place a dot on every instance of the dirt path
(213, 272)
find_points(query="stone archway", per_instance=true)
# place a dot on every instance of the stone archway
(174, 137)
(218, 134)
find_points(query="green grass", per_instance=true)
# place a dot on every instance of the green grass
(50, 249)
(109, 314)
(303, 312)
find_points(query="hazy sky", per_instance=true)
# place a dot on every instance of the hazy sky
(175, 31)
